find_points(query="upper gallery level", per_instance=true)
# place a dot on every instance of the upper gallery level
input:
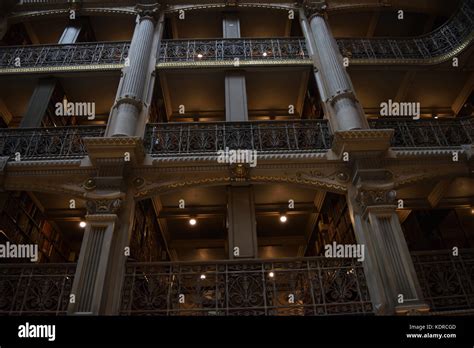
(389, 58)
(429, 33)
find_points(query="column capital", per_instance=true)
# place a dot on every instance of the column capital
(372, 197)
(103, 206)
(313, 8)
(150, 11)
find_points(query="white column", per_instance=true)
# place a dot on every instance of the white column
(130, 112)
(335, 87)
(391, 277)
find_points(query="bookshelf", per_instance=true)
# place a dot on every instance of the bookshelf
(339, 226)
(24, 223)
(146, 244)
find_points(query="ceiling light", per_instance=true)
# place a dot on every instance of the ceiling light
(199, 55)
(265, 54)
(203, 276)
(192, 222)
(271, 274)
(82, 224)
(283, 218)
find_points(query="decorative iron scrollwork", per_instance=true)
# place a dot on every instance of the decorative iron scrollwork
(313, 286)
(428, 133)
(42, 289)
(447, 281)
(265, 137)
(47, 143)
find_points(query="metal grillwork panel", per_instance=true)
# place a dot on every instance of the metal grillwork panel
(41, 289)
(42, 56)
(428, 133)
(47, 143)
(445, 40)
(230, 49)
(318, 286)
(170, 139)
(447, 281)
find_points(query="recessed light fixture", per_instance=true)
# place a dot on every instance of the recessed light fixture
(199, 55)
(203, 276)
(283, 218)
(271, 274)
(192, 222)
(265, 54)
(82, 224)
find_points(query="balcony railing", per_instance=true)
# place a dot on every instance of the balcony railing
(310, 286)
(72, 56)
(447, 281)
(436, 47)
(313, 286)
(40, 289)
(234, 51)
(171, 139)
(46, 143)
(446, 41)
(425, 133)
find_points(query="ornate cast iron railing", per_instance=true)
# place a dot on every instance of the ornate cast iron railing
(447, 281)
(428, 133)
(37, 289)
(235, 51)
(313, 286)
(87, 56)
(46, 143)
(440, 45)
(436, 47)
(171, 139)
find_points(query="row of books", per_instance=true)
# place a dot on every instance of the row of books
(24, 223)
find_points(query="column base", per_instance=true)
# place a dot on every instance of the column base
(412, 308)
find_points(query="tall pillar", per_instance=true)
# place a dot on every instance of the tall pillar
(129, 114)
(235, 88)
(334, 84)
(41, 97)
(99, 274)
(241, 221)
(389, 269)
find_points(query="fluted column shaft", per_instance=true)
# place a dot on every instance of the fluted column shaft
(131, 104)
(391, 278)
(334, 84)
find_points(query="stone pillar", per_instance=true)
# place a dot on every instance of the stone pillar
(41, 97)
(236, 108)
(341, 105)
(129, 114)
(389, 269)
(90, 282)
(241, 222)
